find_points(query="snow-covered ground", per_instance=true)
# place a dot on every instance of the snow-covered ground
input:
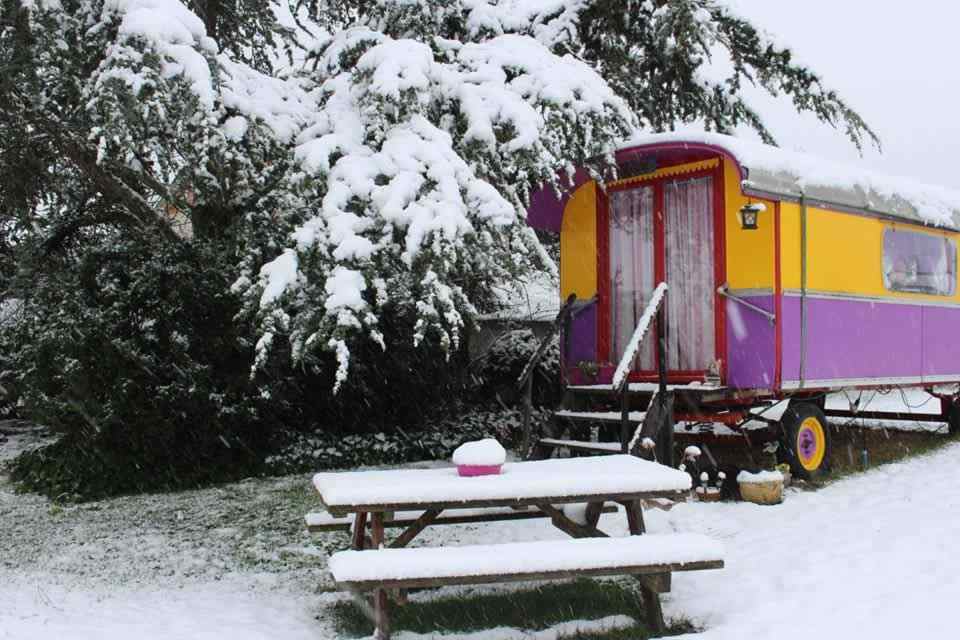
(867, 556)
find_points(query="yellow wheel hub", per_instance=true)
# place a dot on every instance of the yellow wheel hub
(811, 444)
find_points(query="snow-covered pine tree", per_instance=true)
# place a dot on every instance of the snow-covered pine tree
(355, 169)
(134, 152)
(437, 118)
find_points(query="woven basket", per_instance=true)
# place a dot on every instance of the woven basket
(770, 492)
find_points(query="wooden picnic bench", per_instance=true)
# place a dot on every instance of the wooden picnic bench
(546, 488)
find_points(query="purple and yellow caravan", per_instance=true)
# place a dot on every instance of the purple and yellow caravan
(788, 277)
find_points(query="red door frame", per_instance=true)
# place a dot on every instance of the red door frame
(719, 268)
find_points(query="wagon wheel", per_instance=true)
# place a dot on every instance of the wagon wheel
(952, 415)
(805, 440)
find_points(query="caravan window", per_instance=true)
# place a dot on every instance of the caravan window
(918, 262)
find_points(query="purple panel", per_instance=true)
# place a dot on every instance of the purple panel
(852, 339)
(582, 343)
(546, 207)
(941, 349)
(751, 338)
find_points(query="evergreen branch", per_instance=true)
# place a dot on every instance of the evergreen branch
(85, 160)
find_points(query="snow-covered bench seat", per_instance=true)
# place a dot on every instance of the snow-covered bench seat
(324, 521)
(521, 561)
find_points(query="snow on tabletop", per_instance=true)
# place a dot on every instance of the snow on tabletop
(933, 204)
(523, 557)
(486, 452)
(745, 477)
(548, 479)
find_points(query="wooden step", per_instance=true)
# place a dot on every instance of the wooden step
(581, 445)
(644, 388)
(635, 417)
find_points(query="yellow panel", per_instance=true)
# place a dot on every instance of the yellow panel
(578, 244)
(790, 245)
(750, 255)
(844, 255)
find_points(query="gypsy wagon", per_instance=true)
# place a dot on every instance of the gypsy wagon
(787, 277)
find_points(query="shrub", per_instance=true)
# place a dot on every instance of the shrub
(323, 450)
(497, 371)
(137, 363)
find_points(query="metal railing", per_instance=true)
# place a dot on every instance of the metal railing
(725, 292)
(630, 352)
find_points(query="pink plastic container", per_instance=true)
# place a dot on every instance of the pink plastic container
(470, 470)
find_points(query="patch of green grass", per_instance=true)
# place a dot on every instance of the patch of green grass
(533, 609)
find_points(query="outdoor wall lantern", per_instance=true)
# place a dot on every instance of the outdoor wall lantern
(750, 213)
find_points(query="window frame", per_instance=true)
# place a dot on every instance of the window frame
(915, 287)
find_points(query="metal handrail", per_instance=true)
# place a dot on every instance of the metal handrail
(725, 292)
(625, 366)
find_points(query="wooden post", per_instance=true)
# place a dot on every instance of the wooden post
(625, 431)
(380, 613)
(525, 381)
(527, 410)
(665, 435)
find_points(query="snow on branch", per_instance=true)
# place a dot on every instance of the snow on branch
(419, 156)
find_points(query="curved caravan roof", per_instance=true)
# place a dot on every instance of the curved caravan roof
(770, 172)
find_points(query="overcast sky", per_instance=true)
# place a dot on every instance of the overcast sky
(895, 67)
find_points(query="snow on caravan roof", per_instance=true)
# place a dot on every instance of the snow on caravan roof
(770, 171)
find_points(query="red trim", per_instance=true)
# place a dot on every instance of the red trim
(729, 418)
(777, 301)
(603, 276)
(720, 270)
(659, 271)
(676, 377)
(603, 268)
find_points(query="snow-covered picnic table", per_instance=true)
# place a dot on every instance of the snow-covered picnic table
(545, 488)
(617, 478)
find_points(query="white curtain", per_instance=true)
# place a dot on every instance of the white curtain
(688, 225)
(631, 270)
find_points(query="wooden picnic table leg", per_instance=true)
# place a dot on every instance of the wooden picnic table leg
(380, 614)
(359, 532)
(648, 584)
(594, 509)
(568, 526)
(634, 511)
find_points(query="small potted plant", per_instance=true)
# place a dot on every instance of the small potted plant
(706, 493)
(784, 470)
(479, 458)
